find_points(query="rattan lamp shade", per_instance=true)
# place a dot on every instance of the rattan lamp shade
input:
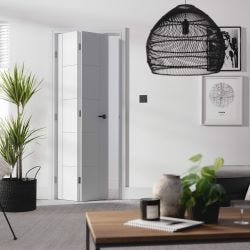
(185, 41)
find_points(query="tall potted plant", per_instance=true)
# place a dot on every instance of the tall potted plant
(201, 195)
(17, 87)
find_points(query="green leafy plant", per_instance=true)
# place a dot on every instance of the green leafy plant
(199, 184)
(17, 87)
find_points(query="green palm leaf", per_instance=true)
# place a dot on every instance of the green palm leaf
(7, 150)
(17, 87)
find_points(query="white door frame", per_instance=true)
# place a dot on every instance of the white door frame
(124, 111)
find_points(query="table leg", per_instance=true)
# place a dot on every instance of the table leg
(87, 237)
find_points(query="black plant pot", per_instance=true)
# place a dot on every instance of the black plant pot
(18, 195)
(209, 216)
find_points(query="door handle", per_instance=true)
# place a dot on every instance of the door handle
(102, 116)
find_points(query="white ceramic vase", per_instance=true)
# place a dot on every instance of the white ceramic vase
(168, 190)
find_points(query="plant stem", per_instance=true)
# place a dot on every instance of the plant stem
(17, 170)
(19, 165)
(12, 169)
(19, 160)
(18, 111)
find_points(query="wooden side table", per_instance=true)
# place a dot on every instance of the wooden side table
(107, 230)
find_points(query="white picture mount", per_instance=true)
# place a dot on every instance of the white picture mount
(222, 103)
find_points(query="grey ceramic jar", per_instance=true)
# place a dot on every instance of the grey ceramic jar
(168, 190)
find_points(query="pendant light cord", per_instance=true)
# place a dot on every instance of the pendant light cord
(185, 9)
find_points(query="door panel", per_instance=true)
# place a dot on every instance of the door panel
(92, 173)
(69, 149)
(91, 119)
(94, 129)
(70, 115)
(82, 134)
(69, 183)
(67, 115)
(70, 43)
(91, 83)
(92, 44)
(70, 82)
(90, 150)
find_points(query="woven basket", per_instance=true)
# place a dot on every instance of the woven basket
(18, 195)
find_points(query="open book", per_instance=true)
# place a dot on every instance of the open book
(167, 224)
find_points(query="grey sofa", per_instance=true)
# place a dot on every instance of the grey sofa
(236, 180)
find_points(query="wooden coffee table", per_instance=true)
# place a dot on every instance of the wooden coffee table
(107, 230)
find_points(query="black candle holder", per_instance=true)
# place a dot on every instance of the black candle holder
(150, 208)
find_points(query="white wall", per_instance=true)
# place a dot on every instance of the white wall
(165, 131)
(31, 44)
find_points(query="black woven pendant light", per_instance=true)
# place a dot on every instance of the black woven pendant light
(185, 41)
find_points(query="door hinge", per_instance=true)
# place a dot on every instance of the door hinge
(79, 113)
(55, 179)
(79, 46)
(79, 180)
(56, 54)
(56, 116)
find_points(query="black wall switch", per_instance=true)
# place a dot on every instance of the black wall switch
(143, 98)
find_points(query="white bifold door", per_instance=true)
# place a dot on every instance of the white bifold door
(83, 116)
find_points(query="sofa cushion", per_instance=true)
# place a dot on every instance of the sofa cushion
(235, 180)
(230, 171)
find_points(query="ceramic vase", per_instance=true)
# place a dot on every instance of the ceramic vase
(168, 190)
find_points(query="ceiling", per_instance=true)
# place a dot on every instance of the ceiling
(70, 13)
(73, 12)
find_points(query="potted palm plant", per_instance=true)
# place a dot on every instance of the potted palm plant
(17, 87)
(201, 195)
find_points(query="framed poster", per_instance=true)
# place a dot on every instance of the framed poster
(222, 100)
(232, 39)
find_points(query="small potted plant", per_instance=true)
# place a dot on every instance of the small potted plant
(201, 195)
(17, 87)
